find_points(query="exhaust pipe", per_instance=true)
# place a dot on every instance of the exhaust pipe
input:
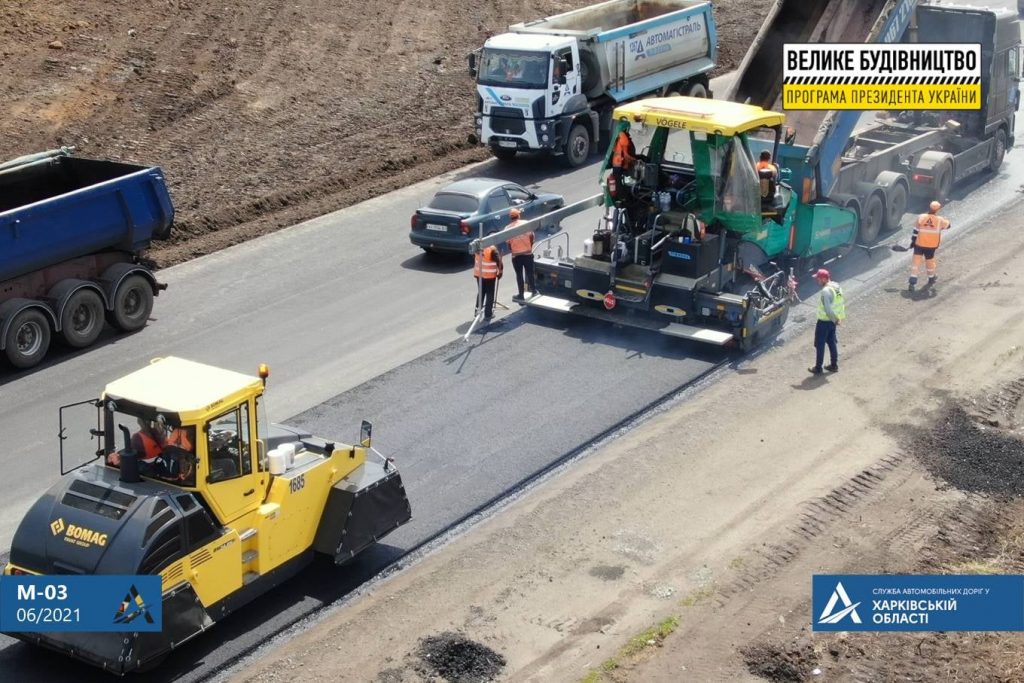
(129, 459)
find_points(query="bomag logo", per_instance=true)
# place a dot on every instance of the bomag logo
(57, 526)
(79, 535)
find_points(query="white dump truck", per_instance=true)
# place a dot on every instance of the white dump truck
(550, 85)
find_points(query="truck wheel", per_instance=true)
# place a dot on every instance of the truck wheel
(998, 151)
(28, 338)
(133, 302)
(577, 146)
(590, 71)
(871, 218)
(896, 208)
(943, 183)
(503, 153)
(82, 319)
(697, 90)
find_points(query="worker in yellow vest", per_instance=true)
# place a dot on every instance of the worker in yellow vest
(487, 268)
(925, 242)
(521, 247)
(831, 313)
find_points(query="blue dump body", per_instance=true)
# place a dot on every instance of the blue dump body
(64, 207)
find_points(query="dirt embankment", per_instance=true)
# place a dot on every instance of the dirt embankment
(263, 113)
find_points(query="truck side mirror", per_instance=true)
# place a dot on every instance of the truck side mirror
(471, 59)
(365, 434)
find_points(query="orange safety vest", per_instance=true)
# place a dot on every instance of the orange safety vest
(150, 447)
(521, 244)
(486, 265)
(179, 438)
(621, 156)
(929, 229)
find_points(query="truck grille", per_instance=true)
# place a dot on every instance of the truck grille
(507, 120)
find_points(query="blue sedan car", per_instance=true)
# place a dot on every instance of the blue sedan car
(457, 213)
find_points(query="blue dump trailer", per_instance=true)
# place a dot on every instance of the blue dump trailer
(72, 235)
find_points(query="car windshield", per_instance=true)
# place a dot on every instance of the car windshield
(452, 201)
(514, 69)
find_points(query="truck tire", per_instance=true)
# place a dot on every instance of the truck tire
(133, 302)
(697, 90)
(896, 207)
(590, 72)
(998, 150)
(81, 321)
(28, 338)
(943, 182)
(503, 154)
(577, 146)
(871, 218)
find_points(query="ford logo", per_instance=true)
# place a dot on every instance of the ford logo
(505, 98)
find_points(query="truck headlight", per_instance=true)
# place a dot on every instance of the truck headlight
(543, 138)
(543, 127)
(479, 121)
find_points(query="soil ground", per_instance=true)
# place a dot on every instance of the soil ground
(683, 550)
(264, 113)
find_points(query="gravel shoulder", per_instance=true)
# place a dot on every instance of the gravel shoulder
(684, 549)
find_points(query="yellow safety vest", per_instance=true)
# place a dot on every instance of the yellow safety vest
(838, 305)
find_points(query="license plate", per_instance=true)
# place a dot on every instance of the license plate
(437, 228)
(507, 143)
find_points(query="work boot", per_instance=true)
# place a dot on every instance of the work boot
(932, 279)
(814, 370)
(832, 368)
(518, 298)
(912, 285)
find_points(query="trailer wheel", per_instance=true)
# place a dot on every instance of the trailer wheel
(28, 338)
(133, 302)
(82, 319)
(503, 153)
(896, 208)
(577, 146)
(998, 151)
(871, 218)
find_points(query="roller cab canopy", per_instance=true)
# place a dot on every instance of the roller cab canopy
(715, 117)
(189, 391)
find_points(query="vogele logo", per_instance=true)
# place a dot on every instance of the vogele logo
(832, 616)
(132, 607)
(57, 526)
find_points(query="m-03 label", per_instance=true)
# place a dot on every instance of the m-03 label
(80, 603)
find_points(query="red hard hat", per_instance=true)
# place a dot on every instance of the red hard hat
(822, 273)
(514, 213)
(935, 206)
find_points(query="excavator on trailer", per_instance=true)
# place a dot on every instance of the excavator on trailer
(219, 503)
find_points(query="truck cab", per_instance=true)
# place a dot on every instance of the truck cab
(526, 86)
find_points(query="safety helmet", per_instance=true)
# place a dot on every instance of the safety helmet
(934, 206)
(822, 273)
(514, 213)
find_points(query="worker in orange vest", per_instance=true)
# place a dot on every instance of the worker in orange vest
(148, 442)
(623, 156)
(925, 242)
(521, 247)
(487, 269)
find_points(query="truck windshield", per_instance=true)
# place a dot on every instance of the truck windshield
(514, 69)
